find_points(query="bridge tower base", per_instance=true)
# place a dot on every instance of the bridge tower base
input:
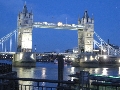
(86, 60)
(24, 59)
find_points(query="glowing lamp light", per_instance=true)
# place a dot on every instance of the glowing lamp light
(91, 58)
(104, 50)
(21, 55)
(96, 70)
(32, 56)
(119, 60)
(96, 57)
(64, 58)
(72, 58)
(105, 56)
(85, 58)
(59, 23)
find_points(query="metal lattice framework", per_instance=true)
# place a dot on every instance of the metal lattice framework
(5, 38)
(8, 36)
(105, 47)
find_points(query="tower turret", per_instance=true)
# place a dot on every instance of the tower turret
(79, 21)
(86, 16)
(25, 9)
(92, 19)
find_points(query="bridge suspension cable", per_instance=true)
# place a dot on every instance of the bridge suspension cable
(5, 38)
(105, 46)
(8, 36)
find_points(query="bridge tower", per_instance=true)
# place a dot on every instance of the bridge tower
(24, 39)
(85, 42)
(24, 26)
(85, 35)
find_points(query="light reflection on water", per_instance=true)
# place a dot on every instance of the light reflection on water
(105, 71)
(50, 71)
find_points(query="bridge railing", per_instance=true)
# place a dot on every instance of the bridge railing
(59, 25)
(34, 84)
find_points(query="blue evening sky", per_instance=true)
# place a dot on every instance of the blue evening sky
(106, 15)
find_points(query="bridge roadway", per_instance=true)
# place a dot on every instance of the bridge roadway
(7, 53)
(68, 57)
(44, 53)
(39, 55)
(65, 54)
(59, 25)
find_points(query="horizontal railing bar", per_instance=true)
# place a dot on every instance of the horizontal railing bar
(38, 80)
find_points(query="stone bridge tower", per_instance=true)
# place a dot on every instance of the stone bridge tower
(85, 41)
(24, 26)
(24, 55)
(85, 35)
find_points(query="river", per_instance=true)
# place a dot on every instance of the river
(50, 71)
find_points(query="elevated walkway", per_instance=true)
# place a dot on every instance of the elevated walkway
(7, 52)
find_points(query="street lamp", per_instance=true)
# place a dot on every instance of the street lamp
(35, 48)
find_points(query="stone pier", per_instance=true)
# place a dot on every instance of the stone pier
(27, 59)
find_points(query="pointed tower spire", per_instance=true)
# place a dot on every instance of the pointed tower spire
(25, 2)
(92, 19)
(86, 15)
(25, 8)
(92, 16)
(79, 21)
(31, 10)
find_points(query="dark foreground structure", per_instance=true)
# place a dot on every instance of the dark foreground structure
(85, 81)
(6, 72)
(66, 85)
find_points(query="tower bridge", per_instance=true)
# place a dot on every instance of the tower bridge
(86, 42)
